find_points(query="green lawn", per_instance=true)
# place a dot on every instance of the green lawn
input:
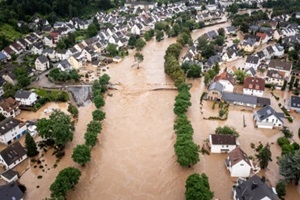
(53, 95)
(9, 32)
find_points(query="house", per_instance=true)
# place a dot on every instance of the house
(89, 54)
(49, 41)
(294, 103)
(76, 61)
(117, 59)
(8, 52)
(238, 163)
(11, 129)
(9, 107)
(64, 65)
(50, 53)
(12, 155)
(251, 72)
(240, 99)
(136, 29)
(10, 176)
(229, 55)
(227, 80)
(212, 34)
(253, 188)
(37, 48)
(267, 117)
(26, 98)
(42, 63)
(263, 37)
(254, 86)
(16, 48)
(215, 91)
(278, 72)
(11, 191)
(251, 61)
(222, 143)
(230, 30)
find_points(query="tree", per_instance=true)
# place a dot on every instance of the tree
(240, 76)
(81, 154)
(65, 180)
(264, 156)
(159, 36)
(289, 167)
(73, 110)
(98, 115)
(90, 138)
(92, 30)
(94, 126)
(221, 32)
(233, 8)
(220, 40)
(291, 83)
(112, 49)
(132, 40)
(281, 188)
(140, 43)
(139, 58)
(197, 187)
(186, 151)
(202, 43)
(149, 34)
(58, 127)
(31, 146)
(99, 101)
(226, 130)
(103, 82)
(191, 70)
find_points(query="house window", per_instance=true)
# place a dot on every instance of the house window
(242, 164)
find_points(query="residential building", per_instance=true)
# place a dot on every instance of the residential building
(9, 176)
(215, 91)
(254, 86)
(76, 61)
(268, 118)
(222, 143)
(238, 163)
(294, 103)
(251, 61)
(9, 107)
(253, 188)
(26, 98)
(11, 129)
(278, 72)
(227, 80)
(42, 63)
(64, 65)
(12, 155)
(11, 191)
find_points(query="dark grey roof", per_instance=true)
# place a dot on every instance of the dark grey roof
(260, 54)
(268, 111)
(9, 174)
(263, 101)
(252, 71)
(11, 191)
(8, 124)
(216, 86)
(12, 153)
(231, 28)
(252, 59)
(239, 98)
(295, 102)
(280, 65)
(253, 189)
(43, 59)
(22, 94)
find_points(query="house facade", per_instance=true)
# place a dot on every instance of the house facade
(278, 72)
(294, 103)
(214, 92)
(238, 163)
(9, 107)
(11, 130)
(227, 80)
(42, 63)
(251, 61)
(12, 155)
(268, 118)
(222, 143)
(26, 98)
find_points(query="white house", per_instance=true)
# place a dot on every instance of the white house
(42, 63)
(229, 55)
(278, 71)
(268, 118)
(222, 143)
(238, 163)
(12, 155)
(9, 107)
(11, 129)
(227, 80)
(9, 176)
(252, 61)
(64, 65)
(254, 86)
(26, 98)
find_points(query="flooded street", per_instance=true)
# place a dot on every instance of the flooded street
(134, 157)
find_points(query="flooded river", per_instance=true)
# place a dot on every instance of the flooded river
(134, 158)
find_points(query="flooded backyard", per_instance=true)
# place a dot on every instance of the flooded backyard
(134, 157)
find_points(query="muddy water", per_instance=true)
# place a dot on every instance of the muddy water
(134, 157)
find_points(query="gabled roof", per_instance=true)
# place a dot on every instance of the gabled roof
(280, 65)
(295, 101)
(252, 59)
(9, 104)
(254, 188)
(254, 83)
(8, 124)
(11, 191)
(241, 98)
(268, 111)
(12, 153)
(219, 139)
(216, 86)
(237, 155)
(225, 76)
(43, 59)
(22, 94)
(2, 56)
(252, 71)
(9, 174)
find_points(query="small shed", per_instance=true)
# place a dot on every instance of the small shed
(10, 176)
(117, 59)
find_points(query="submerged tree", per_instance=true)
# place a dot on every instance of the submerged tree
(81, 154)
(139, 58)
(31, 146)
(289, 167)
(197, 187)
(264, 156)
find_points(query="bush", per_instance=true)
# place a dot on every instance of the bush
(281, 189)
(282, 141)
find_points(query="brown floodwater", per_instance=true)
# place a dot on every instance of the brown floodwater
(134, 157)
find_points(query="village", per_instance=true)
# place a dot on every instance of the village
(244, 102)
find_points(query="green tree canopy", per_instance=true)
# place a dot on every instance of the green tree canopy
(226, 130)
(98, 115)
(31, 146)
(99, 101)
(94, 126)
(81, 154)
(90, 138)
(140, 43)
(197, 187)
(65, 180)
(112, 49)
(159, 35)
(289, 167)
(58, 127)
(264, 156)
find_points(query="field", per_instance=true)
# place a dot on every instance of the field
(9, 32)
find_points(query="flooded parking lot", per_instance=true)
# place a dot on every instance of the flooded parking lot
(134, 157)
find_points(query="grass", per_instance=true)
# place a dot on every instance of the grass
(53, 94)
(9, 32)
